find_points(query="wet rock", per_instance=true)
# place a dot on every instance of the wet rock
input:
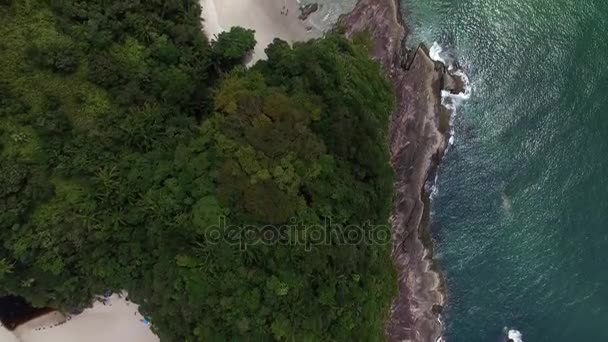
(307, 10)
(417, 144)
(453, 84)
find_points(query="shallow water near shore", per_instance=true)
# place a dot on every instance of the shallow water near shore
(521, 210)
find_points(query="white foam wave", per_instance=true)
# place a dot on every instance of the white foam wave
(440, 338)
(466, 94)
(435, 53)
(448, 99)
(451, 102)
(434, 187)
(515, 335)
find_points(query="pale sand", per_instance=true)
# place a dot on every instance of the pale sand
(47, 321)
(263, 16)
(7, 336)
(117, 321)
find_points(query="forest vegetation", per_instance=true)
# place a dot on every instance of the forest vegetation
(128, 141)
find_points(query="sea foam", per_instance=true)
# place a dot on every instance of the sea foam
(438, 54)
(435, 53)
(515, 335)
(449, 100)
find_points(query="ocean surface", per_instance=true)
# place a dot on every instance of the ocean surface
(520, 216)
(521, 213)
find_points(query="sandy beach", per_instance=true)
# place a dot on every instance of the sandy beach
(118, 320)
(7, 336)
(269, 19)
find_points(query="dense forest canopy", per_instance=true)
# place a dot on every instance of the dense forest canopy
(231, 203)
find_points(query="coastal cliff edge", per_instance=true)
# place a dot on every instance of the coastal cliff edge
(418, 139)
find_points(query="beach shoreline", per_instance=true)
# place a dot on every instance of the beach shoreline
(6, 335)
(269, 18)
(109, 319)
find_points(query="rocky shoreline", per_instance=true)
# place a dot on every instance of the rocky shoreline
(418, 139)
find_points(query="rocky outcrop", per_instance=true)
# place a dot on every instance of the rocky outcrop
(307, 10)
(417, 145)
(453, 84)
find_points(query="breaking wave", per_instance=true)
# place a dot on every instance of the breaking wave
(514, 335)
(450, 100)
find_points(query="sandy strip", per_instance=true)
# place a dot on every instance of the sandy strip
(269, 19)
(117, 321)
(210, 20)
(7, 336)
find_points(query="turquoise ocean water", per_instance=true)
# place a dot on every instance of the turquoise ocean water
(521, 213)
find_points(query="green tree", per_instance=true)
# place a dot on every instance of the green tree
(5, 269)
(62, 57)
(233, 47)
(136, 155)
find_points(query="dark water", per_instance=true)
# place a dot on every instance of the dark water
(15, 311)
(523, 195)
